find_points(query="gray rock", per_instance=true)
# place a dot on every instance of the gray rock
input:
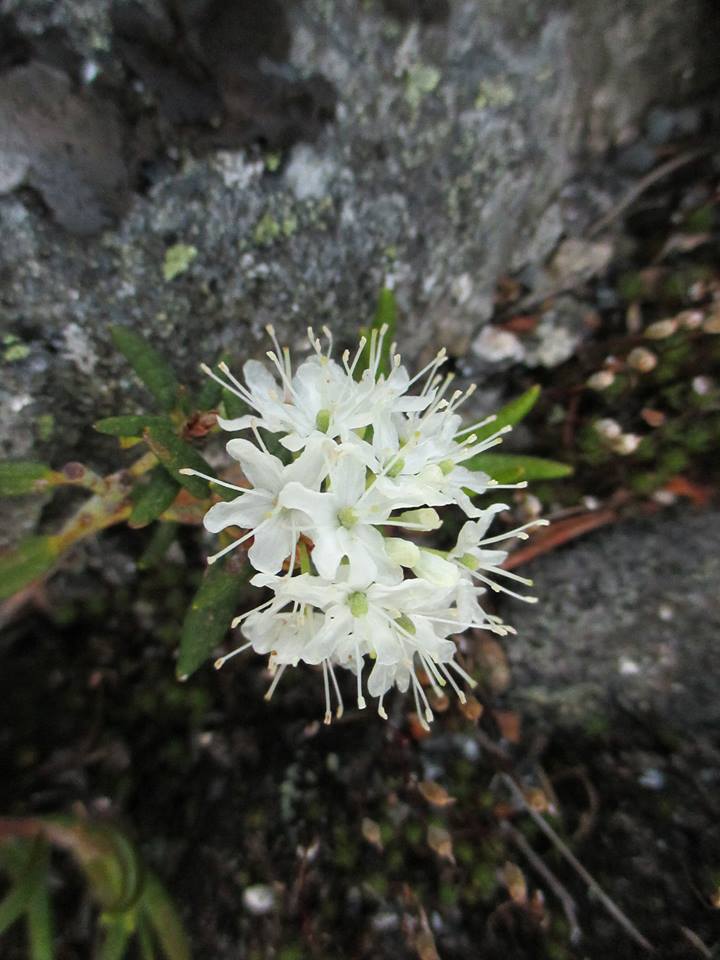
(451, 144)
(628, 615)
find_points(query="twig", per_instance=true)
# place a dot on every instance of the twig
(644, 184)
(568, 904)
(695, 940)
(560, 532)
(592, 884)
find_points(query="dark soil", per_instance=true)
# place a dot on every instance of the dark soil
(224, 791)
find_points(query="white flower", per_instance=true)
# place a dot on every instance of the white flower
(275, 529)
(341, 521)
(363, 454)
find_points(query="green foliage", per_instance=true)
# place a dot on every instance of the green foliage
(152, 499)
(512, 468)
(208, 617)
(385, 315)
(129, 426)
(174, 454)
(131, 898)
(18, 477)
(150, 366)
(29, 561)
(511, 413)
(162, 539)
(177, 259)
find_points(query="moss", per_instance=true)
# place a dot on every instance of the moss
(44, 426)
(494, 92)
(420, 79)
(177, 259)
(484, 880)
(14, 349)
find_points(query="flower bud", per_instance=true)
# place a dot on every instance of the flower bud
(626, 444)
(607, 428)
(642, 360)
(661, 329)
(601, 380)
(424, 519)
(711, 324)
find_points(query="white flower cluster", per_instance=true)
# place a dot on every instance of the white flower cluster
(364, 457)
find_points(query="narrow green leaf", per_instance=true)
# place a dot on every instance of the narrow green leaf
(160, 910)
(152, 498)
(511, 468)
(145, 938)
(18, 477)
(174, 454)
(208, 617)
(130, 426)
(27, 879)
(116, 939)
(40, 924)
(163, 536)
(234, 406)
(27, 562)
(151, 366)
(385, 315)
(511, 413)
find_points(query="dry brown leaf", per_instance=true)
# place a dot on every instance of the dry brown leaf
(440, 841)
(492, 659)
(425, 945)
(513, 879)
(435, 794)
(472, 708)
(371, 832)
(509, 723)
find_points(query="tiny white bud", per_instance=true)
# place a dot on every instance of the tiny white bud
(642, 360)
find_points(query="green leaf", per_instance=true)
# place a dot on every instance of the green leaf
(130, 426)
(145, 938)
(159, 545)
(26, 879)
(385, 315)
(117, 937)
(152, 498)
(208, 396)
(27, 562)
(511, 413)
(40, 925)
(18, 477)
(166, 922)
(208, 617)
(511, 468)
(234, 406)
(174, 454)
(151, 367)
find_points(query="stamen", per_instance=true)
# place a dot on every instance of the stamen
(429, 717)
(239, 392)
(238, 620)
(270, 329)
(358, 662)
(341, 706)
(228, 656)
(361, 347)
(478, 425)
(261, 442)
(328, 712)
(499, 588)
(463, 673)
(381, 709)
(189, 472)
(460, 695)
(276, 681)
(244, 393)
